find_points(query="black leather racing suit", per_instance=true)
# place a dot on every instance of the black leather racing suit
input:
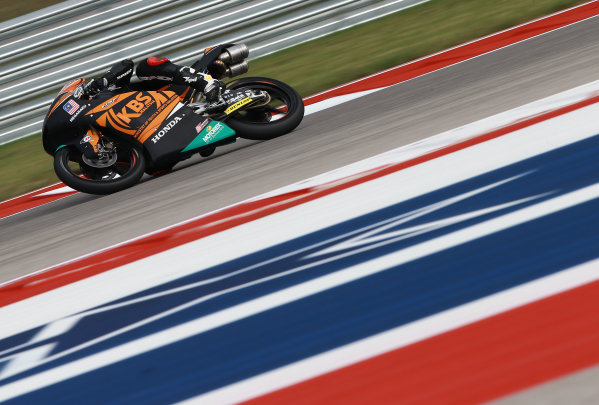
(154, 68)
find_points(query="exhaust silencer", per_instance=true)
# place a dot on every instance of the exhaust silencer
(238, 69)
(234, 54)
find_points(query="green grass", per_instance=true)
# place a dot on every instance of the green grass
(333, 60)
(24, 166)
(10, 9)
(396, 39)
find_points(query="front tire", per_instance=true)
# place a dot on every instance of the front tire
(280, 116)
(76, 173)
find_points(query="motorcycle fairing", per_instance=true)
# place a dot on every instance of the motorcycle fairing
(66, 91)
(211, 132)
(62, 124)
(182, 134)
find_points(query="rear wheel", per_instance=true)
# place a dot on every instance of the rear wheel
(113, 171)
(282, 114)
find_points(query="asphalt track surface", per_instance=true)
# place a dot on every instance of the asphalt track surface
(405, 113)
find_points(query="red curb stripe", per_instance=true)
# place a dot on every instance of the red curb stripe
(463, 52)
(476, 363)
(31, 200)
(38, 283)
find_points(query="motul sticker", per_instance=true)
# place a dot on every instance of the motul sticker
(201, 126)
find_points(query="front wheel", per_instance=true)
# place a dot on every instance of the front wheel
(120, 169)
(281, 115)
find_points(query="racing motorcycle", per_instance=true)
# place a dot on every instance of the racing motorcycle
(104, 144)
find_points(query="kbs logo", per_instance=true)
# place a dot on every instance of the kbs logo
(138, 106)
(133, 113)
(164, 130)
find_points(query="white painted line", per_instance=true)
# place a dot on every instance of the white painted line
(61, 190)
(436, 142)
(335, 101)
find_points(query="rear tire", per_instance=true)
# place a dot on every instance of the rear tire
(122, 174)
(257, 123)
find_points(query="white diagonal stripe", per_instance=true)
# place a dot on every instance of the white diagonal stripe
(282, 297)
(401, 336)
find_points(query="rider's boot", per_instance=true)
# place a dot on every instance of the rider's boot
(210, 87)
(213, 91)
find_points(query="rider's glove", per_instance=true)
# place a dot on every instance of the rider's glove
(94, 86)
(213, 90)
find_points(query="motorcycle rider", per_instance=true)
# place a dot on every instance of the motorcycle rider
(154, 68)
(119, 75)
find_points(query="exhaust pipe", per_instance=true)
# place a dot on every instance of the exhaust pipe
(234, 54)
(238, 69)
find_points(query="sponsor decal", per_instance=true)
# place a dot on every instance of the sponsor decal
(161, 103)
(121, 120)
(78, 92)
(110, 102)
(238, 105)
(190, 79)
(201, 126)
(163, 78)
(79, 111)
(92, 139)
(164, 130)
(212, 132)
(125, 74)
(71, 107)
(238, 97)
